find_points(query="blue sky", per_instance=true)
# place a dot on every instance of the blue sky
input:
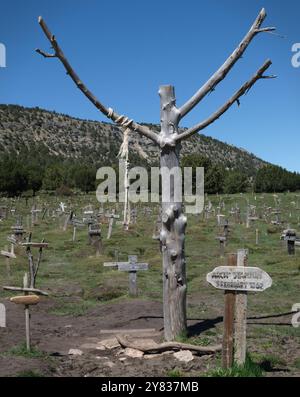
(125, 49)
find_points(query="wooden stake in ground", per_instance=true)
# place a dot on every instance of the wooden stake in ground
(227, 347)
(27, 314)
(8, 256)
(240, 315)
(2, 316)
(234, 280)
(169, 141)
(30, 296)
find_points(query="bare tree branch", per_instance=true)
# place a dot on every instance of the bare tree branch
(109, 112)
(221, 73)
(235, 98)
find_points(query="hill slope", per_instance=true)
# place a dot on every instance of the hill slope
(99, 142)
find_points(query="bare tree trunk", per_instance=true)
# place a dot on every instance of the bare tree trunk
(173, 224)
(126, 185)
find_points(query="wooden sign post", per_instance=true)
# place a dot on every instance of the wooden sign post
(235, 279)
(229, 298)
(29, 298)
(240, 315)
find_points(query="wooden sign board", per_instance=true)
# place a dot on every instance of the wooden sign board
(132, 267)
(239, 278)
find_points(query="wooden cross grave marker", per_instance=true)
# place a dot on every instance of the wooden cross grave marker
(277, 214)
(222, 241)
(30, 293)
(3, 212)
(95, 238)
(111, 218)
(132, 266)
(35, 215)
(290, 236)
(8, 256)
(18, 232)
(236, 279)
(76, 224)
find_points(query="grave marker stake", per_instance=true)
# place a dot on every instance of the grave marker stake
(27, 314)
(240, 315)
(2, 316)
(227, 347)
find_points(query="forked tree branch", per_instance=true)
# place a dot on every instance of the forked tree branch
(222, 72)
(235, 98)
(108, 112)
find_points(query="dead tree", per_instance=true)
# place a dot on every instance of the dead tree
(169, 141)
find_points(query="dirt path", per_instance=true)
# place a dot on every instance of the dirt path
(56, 335)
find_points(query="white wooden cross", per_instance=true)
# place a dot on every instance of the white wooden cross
(62, 206)
(111, 217)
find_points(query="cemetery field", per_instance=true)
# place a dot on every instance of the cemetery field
(89, 303)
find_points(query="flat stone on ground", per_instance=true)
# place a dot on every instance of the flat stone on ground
(184, 356)
(75, 352)
(134, 353)
(110, 343)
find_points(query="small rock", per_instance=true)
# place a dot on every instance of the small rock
(122, 359)
(134, 353)
(109, 364)
(75, 352)
(157, 355)
(100, 347)
(110, 343)
(184, 356)
(89, 346)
